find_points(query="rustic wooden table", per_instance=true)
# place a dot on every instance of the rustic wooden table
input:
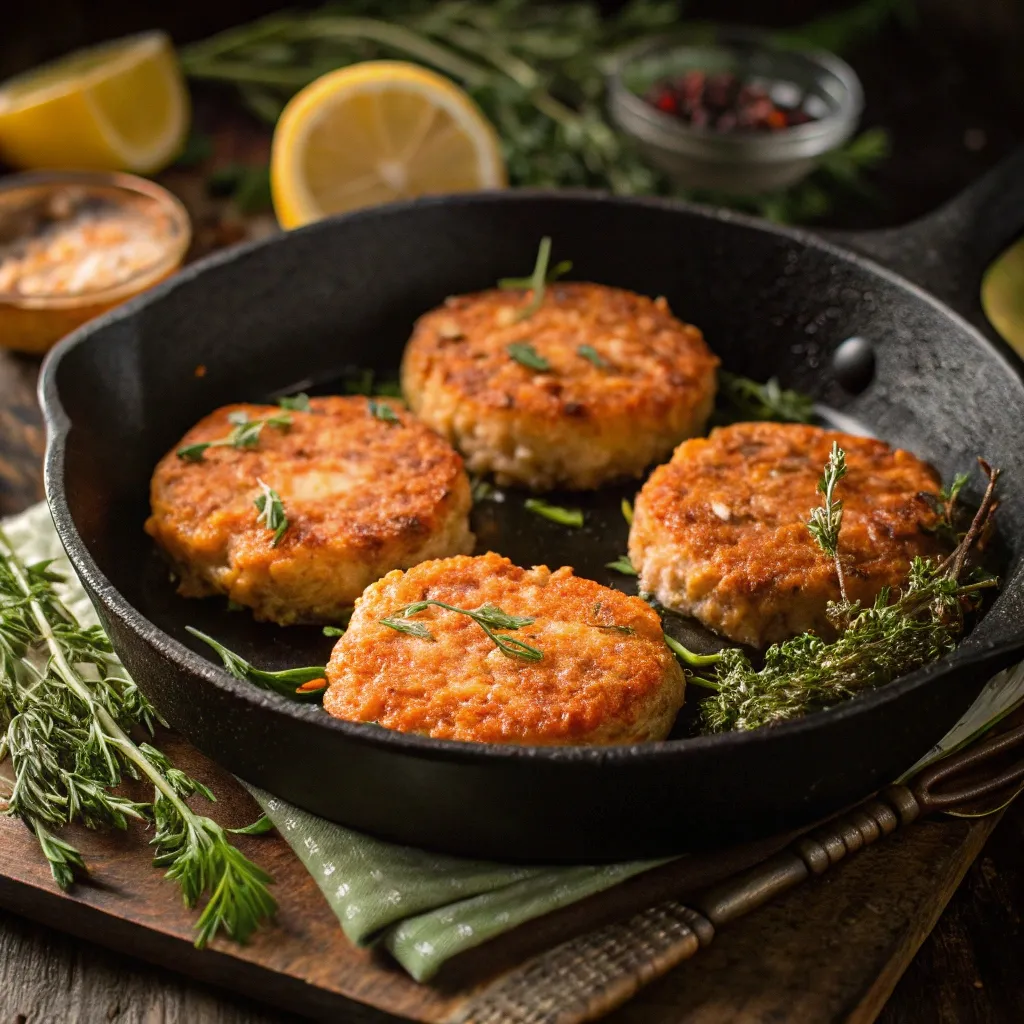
(967, 970)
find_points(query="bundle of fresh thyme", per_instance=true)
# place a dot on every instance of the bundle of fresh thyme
(875, 644)
(66, 712)
(536, 69)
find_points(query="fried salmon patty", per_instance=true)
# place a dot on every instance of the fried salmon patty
(720, 532)
(605, 675)
(361, 495)
(619, 384)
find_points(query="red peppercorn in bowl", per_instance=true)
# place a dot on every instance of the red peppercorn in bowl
(733, 109)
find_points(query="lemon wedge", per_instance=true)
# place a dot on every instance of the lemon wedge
(375, 132)
(119, 106)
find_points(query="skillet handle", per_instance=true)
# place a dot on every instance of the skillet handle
(948, 251)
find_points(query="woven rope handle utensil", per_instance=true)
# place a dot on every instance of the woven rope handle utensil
(589, 976)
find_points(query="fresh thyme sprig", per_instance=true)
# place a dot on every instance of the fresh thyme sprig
(556, 513)
(66, 708)
(875, 644)
(287, 682)
(245, 433)
(487, 616)
(827, 520)
(746, 399)
(270, 512)
(537, 280)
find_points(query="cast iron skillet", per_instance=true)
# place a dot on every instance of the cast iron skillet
(295, 310)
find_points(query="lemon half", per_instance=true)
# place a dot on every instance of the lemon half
(375, 132)
(119, 106)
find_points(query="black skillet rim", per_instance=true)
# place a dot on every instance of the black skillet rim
(187, 660)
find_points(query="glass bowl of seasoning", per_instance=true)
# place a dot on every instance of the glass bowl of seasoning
(735, 110)
(74, 244)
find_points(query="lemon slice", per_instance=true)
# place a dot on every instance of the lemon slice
(119, 106)
(374, 132)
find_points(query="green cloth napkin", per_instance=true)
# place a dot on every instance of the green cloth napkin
(424, 907)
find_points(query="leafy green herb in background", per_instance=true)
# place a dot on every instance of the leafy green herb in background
(538, 72)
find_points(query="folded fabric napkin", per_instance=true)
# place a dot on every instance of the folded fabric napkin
(424, 908)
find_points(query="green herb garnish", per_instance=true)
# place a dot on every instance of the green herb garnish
(536, 281)
(270, 509)
(67, 708)
(283, 682)
(591, 353)
(557, 514)
(688, 657)
(875, 644)
(826, 520)
(622, 564)
(487, 616)
(364, 382)
(245, 433)
(525, 354)
(481, 489)
(333, 631)
(382, 411)
(627, 511)
(295, 403)
(748, 400)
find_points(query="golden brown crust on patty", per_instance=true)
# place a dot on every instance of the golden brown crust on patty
(720, 532)
(577, 424)
(592, 686)
(362, 497)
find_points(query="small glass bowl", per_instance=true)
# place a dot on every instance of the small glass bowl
(35, 203)
(738, 162)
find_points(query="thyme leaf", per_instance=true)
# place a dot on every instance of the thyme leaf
(295, 403)
(488, 616)
(622, 564)
(382, 411)
(364, 382)
(270, 512)
(556, 513)
(591, 353)
(627, 511)
(526, 355)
